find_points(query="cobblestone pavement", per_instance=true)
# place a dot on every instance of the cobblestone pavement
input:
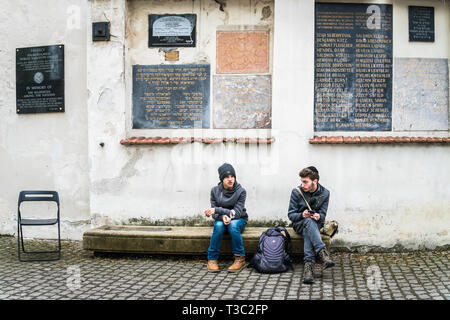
(82, 275)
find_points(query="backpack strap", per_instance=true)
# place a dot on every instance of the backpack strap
(301, 193)
(287, 236)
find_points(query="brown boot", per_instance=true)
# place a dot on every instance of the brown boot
(308, 273)
(238, 264)
(213, 266)
(325, 259)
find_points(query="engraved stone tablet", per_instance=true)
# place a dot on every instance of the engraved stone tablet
(242, 51)
(353, 67)
(421, 94)
(172, 30)
(171, 96)
(242, 102)
(40, 79)
(421, 23)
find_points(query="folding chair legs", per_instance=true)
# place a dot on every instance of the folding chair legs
(20, 244)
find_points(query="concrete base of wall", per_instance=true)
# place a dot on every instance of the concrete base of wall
(175, 240)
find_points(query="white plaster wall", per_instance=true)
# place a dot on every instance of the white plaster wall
(44, 151)
(382, 195)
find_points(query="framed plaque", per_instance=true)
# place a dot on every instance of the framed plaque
(421, 23)
(172, 30)
(353, 67)
(40, 79)
(171, 96)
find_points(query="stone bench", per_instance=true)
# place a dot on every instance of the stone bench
(175, 240)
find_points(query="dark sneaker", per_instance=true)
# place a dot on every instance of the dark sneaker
(308, 273)
(325, 259)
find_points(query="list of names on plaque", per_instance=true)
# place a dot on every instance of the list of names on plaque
(353, 67)
(171, 96)
(40, 79)
(421, 23)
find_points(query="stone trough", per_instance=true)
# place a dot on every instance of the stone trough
(175, 240)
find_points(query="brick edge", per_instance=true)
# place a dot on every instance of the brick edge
(176, 140)
(376, 140)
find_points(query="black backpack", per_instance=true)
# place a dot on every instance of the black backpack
(274, 250)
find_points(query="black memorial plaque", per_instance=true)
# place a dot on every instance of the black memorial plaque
(40, 79)
(171, 96)
(353, 67)
(172, 30)
(421, 23)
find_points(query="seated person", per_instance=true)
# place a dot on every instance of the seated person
(308, 223)
(228, 211)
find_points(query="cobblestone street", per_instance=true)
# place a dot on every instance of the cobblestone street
(82, 275)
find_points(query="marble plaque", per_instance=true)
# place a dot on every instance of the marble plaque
(353, 67)
(242, 51)
(40, 79)
(421, 99)
(171, 96)
(242, 102)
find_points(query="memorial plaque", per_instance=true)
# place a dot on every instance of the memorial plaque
(166, 30)
(40, 79)
(242, 102)
(421, 94)
(353, 67)
(243, 51)
(421, 23)
(171, 96)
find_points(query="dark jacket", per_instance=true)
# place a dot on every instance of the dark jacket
(226, 200)
(318, 200)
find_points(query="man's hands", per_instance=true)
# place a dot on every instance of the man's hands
(307, 214)
(209, 212)
(226, 220)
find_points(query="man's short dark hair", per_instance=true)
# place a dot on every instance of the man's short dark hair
(310, 172)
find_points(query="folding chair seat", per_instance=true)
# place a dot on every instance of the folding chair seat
(36, 195)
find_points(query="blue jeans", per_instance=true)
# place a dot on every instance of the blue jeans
(235, 228)
(312, 240)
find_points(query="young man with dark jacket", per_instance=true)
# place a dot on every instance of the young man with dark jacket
(308, 223)
(228, 210)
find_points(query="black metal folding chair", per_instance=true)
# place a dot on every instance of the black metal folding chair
(37, 196)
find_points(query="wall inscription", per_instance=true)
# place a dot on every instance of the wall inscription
(421, 94)
(353, 67)
(242, 102)
(242, 51)
(171, 96)
(40, 79)
(166, 30)
(421, 23)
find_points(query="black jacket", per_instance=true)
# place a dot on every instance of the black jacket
(224, 201)
(318, 200)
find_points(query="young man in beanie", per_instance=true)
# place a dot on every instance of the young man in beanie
(308, 223)
(228, 211)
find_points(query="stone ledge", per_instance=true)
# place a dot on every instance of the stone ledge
(175, 240)
(376, 140)
(176, 140)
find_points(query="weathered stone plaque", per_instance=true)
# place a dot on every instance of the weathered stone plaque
(421, 94)
(172, 30)
(242, 51)
(353, 67)
(171, 96)
(40, 79)
(242, 102)
(421, 23)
